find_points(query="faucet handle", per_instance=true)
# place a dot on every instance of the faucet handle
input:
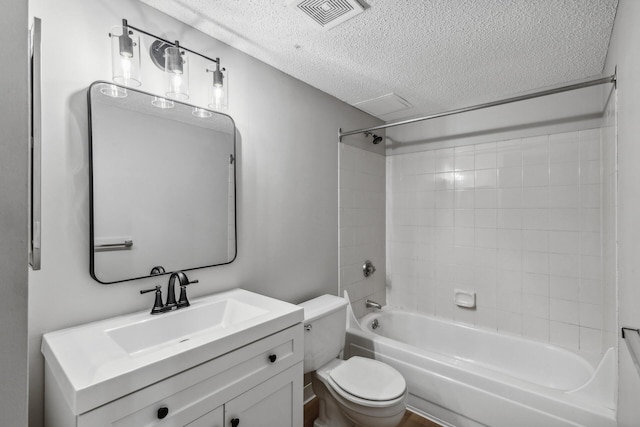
(368, 269)
(157, 288)
(183, 301)
(158, 307)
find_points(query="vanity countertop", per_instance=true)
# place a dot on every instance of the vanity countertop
(97, 362)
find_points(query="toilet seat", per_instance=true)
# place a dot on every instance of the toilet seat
(367, 382)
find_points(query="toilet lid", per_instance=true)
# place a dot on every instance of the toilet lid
(369, 379)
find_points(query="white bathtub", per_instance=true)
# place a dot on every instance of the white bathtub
(468, 377)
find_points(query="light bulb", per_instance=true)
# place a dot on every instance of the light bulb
(177, 82)
(125, 65)
(218, 93)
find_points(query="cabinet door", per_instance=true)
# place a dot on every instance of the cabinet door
(274, 403)
(212, 419)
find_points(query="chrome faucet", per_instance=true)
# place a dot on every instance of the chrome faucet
(183, 281)
(373, 304)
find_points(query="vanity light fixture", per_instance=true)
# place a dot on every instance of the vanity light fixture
(176, 67)
(171, 58)
(125, 55)
(218, 90)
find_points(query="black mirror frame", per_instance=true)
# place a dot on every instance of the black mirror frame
(91, 191)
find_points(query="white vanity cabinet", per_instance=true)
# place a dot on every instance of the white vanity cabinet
(256, 382)
(243, 384)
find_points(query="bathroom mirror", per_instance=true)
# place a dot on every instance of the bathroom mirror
(162, 185)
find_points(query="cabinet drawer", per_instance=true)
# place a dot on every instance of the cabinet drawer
(197, 391)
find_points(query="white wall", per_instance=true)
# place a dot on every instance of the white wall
(13, 216)
(623, 54)
(287, 175)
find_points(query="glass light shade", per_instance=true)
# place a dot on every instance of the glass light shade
(162, 102)
(113, 91)
(176, 67)
(218, 88)
(201, 112)
(125, 56)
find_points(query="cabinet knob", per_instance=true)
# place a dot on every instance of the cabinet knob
(235, 422)
(163, 412)
(272, 358)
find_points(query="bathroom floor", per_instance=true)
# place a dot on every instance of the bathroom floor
(410, 419)
(414, 420)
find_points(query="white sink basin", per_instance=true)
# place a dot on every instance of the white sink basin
(179, 326)
(93, 363)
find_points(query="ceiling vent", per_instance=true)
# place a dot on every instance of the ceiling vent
(382, 105)
(328, 13)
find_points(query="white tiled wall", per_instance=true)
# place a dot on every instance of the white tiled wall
(518, 222)
(362, 225)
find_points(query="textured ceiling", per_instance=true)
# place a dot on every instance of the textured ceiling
(436, 54)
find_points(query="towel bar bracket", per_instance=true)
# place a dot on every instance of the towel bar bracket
(629, 329)
(632, 339)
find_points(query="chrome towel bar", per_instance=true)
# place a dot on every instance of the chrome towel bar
(125, 244)
(632, 338)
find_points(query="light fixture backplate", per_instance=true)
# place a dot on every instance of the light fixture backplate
(156, 51)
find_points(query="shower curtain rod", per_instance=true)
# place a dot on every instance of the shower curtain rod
(588, 83)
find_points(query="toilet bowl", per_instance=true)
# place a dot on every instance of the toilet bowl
(371, 394)
(358, 391)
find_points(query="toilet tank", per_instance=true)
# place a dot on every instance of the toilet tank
(325, 320)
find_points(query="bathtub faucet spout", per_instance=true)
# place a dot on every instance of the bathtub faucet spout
(373, 304)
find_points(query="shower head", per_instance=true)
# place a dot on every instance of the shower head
(376, 139)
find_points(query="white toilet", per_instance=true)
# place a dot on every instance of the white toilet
(359, 391)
